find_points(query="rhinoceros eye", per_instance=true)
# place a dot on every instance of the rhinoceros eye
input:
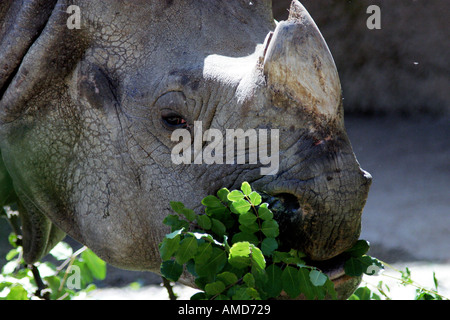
(174, 121)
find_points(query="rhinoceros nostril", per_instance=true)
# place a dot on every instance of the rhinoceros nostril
(289, 201)
(282, 203)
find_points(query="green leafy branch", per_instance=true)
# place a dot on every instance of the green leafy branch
(404, 278)
(233, 251)
(46, 280)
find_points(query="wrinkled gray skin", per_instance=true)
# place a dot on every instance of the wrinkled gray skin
(83, 141)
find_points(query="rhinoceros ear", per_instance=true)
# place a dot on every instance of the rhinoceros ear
(20, 24)
(36, 46)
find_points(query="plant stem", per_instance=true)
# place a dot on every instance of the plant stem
(40, 284)
(410, 281)
(168, 286)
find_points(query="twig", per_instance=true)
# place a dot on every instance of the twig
(168, 286)
(40, 284)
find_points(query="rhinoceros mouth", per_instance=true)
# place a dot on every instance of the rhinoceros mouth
(287, 211)
(344, 284)
(333, 268)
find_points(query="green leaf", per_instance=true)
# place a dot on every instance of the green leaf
(217, 212)
(253, 293)
(435, 281)
(245, 236)
(198, 296)
(255, 198)
(264, 213)
(190, 267)
(329, 285)
(317, 278)
(218, 227)
(291, 281)
(204, 222)
(96, 265)
(227, 277)
(62, 251)
(353, 267)
(359, 248)
(249, 280)
(306, 287)
(169, 246)
(205, 236)
(270, 228)
(223, 194)
(247, 218)
(240, 255)
(240, 206)
(241, 293)
(189, 214)
(257, 256)
(235, 195)
(362, 293)
(215, 288)
(174, 234)
(203, 252)
(373, 266)
(12, 239)
(214, 264)
(11, 254)
(17, 292)
(171, 270)
(177, 206)
(273, 286)
(174, 221)
(212, 202)
(287, 257)
(85, 271)
(245, 187)
(297, 254)
(251, 228)
(187, 250)
(268, 246)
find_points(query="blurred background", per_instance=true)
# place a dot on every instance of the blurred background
(396, 87)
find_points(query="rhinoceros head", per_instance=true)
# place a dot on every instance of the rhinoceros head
(88, 116)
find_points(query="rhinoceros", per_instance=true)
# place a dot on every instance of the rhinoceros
(87, 113)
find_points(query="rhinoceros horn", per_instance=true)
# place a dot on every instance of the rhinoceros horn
(297, 62)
